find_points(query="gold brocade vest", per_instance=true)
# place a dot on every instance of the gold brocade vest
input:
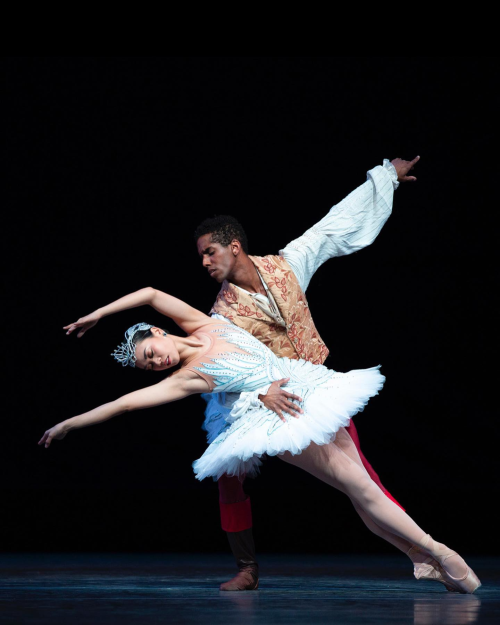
(299, 339)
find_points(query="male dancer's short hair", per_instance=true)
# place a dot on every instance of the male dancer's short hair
(224, 229)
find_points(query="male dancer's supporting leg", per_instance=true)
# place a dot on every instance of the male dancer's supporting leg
(333, 466)
(236, 521)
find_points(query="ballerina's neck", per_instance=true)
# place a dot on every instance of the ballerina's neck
(194, 347)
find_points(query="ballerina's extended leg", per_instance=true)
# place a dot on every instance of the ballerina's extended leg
(424, 566)
(334, 467)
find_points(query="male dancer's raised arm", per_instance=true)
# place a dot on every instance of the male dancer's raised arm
(350, 225)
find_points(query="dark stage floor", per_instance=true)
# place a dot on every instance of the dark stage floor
(183, 588)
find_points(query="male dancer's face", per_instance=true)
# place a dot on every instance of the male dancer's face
(217, 259)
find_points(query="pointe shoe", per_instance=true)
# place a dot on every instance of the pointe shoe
(246, 579)
(467, 584)
(429, 569)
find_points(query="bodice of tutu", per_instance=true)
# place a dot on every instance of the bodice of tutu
(235, 362)
(240, 428)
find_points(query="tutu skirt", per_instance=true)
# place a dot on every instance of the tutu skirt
(241, 432)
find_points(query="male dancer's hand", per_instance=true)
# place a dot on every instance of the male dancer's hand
(403, 167)
(279, 400)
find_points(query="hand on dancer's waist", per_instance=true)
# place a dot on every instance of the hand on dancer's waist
(279, 401)
(403, 167)
(83, 324)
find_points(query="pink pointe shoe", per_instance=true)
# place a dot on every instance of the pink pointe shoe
(429, 569)
(467, 584)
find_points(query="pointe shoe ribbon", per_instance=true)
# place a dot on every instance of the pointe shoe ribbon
(429, 569)
(466, 584)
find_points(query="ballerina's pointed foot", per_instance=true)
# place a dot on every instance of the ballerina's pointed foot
(425, 567)
(465, 584)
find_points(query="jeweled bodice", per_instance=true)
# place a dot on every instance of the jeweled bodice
(235, 362)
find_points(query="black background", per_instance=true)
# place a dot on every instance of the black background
(113, 162)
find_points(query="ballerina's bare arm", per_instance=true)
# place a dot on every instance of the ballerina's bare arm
(185, 316)
(177, 386)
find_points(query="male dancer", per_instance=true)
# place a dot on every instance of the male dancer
(266, 297)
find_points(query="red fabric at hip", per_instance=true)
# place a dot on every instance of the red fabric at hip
(353, 433)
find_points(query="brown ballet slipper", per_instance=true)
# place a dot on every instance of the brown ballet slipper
(243, 548)
(246, 579)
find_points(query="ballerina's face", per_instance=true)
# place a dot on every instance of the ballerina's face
(219, 260)
(156, 353)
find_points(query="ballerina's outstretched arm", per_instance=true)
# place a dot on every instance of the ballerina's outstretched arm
(177, 386)
(185, 316)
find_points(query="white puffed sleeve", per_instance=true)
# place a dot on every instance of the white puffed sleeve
(247, 401)
(220, 317)
(351, 225)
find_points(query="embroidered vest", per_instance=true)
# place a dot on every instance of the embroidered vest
(299, 339)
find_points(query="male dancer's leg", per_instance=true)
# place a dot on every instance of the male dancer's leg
(236, 521)
(332, 465)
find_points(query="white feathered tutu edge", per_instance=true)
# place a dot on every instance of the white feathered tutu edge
(242, 434)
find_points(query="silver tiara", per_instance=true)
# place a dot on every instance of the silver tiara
(125, 353)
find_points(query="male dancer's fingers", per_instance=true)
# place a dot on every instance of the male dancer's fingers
(292, 409)
(283, 381)
(411, 165)
(403, 167)
(280, 415)
(296, 414)
(292, 396)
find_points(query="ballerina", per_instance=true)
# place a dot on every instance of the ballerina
(217, 357)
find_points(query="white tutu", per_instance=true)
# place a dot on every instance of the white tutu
(241, 432)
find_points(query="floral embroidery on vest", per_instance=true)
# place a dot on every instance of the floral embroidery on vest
(299, 339)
